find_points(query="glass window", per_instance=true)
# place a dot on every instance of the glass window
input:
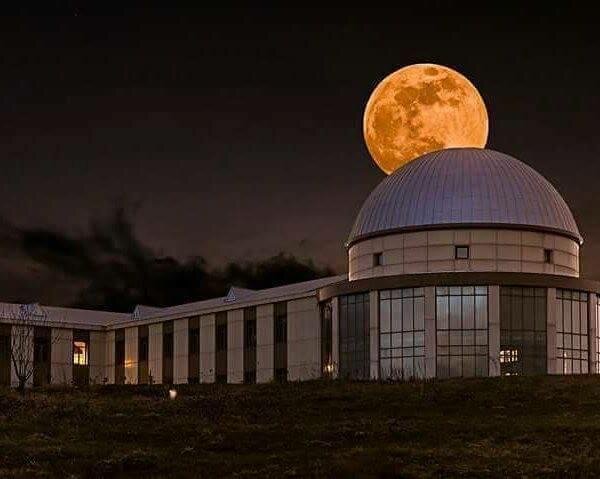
(522, 330)
(377, 259)
(461, 252)
(462, 331)
(354, 336)
(571, 332)
(402, 332)
(80, 353)
(281, 322)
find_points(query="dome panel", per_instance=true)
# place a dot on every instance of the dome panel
(467, 187)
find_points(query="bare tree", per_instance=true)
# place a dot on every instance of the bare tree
(24, 318)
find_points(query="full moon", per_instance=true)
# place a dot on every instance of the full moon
(422, 108)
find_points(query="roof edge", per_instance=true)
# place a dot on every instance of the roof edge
(447, 226)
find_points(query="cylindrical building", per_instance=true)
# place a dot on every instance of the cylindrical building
(464, 262)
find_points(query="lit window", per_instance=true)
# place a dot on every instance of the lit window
(547, 256)
(461, 252)
(509, 356)
(377, 259)
(80, 353)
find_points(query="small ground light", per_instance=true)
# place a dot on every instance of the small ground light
(329, 368)
(172, 393)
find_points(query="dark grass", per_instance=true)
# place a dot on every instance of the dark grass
(534, 427)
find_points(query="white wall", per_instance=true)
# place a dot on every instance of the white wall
(97, 357)
(235, 346)
(265, 336)
(490, 250)
(304, 339)
(207, 348)
(131, 355)
(155, 342)
(180, 351)
(61, 369)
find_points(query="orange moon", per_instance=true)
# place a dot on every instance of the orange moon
(422, 108)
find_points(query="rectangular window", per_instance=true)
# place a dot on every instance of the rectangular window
(597, 306)
(548, 256)
(377, 259)
(41, 355)
(461, 252)
(462, 331)
(80, 353)
(402, 333)
(120, 356)
(523, 330)
(222, 337)
(221, 347)
(281, 323)
(143, 349)
(354, 336)
(250, 345)
(280, 338)
(326, 340)
(5, 348)
(572, 331)
(167, 349)
(194, 350)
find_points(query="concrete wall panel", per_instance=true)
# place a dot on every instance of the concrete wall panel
(61, 370)
(304, 339)
(155, 344)
(207, 348)
(490, 250)
(98, 357)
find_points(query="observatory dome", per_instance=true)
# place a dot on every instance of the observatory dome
(464, 187)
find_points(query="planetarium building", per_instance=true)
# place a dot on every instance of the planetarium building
(462, 263)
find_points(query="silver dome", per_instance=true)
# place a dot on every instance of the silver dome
(464, 187)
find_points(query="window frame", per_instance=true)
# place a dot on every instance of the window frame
(460, 247)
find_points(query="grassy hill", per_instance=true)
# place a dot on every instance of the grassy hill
(546, 426)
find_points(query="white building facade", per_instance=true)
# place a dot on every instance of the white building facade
(463, 263)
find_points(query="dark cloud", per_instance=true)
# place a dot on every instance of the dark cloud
(110, 268)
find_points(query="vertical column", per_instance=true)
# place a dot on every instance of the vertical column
(97, 357)
(593, 332)
(61, 356)
(235, 346)
(551, 331)
(430, 333)
(207, 348)
(155, 347)
(265, 336)
(374, 333)
(304, 339)
(335, 336)
(131, 355)
(494, 330)
(180, 351)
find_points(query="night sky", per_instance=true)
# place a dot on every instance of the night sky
(236, 134)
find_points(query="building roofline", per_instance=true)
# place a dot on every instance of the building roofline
(447, 226)
(456, 278)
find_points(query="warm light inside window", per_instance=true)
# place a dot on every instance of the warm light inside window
(80, 353)
(509, 355)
